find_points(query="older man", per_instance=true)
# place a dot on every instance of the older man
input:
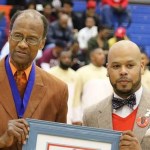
(127, 109)
(26, 91)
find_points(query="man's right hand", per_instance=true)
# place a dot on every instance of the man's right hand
(17, 130)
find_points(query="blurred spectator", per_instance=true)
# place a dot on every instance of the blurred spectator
(66, 74)
(49, 12)
(90, 12)
(115, 10)
(86, 74)
(3, 29)
(59, 30)
(17, 2)
(56, 4)
(50, 56)
(146, 74)
(78, 56)
(5, 48)
(120, 34)
(73, 21)
(31, 5)
(89, 31)
(101, 40)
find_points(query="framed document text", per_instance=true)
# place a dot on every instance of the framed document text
(46, 135)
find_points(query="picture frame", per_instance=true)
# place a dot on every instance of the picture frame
(45, 135)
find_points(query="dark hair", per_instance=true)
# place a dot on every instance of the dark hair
(46, 3)
(103, 27)
(32, 2)
(13, 10)
(18, 13)
(69, 2)
(94, 50)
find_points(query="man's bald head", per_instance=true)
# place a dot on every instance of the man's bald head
(29, 13)
(124, 47)
(125, 67)
(63, 20)
(64, 17)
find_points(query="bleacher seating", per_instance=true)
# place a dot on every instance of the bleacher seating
(135, 28)
(4, 24)
(139, 9)
(3, 2)
(79, 5)
(141, 18)
(3, 33)
(139, 30)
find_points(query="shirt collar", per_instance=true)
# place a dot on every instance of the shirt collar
(13, 68)
(138, 95)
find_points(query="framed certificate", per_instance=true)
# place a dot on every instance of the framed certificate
(46, 135)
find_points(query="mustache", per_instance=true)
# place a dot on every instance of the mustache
(124, 80)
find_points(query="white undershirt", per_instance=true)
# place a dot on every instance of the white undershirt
(126, 110)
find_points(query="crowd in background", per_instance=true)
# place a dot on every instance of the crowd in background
(77, 45)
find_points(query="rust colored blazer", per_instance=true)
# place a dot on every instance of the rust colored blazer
(48, 100)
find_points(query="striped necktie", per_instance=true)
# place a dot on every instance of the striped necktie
(21, 81)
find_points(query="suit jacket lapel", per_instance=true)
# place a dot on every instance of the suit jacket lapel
(143, 106)
(37, 94)
(105, 114)
(6, 98)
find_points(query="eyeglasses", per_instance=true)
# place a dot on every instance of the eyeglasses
(29, 40)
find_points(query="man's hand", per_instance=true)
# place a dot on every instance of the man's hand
(128, 141)
(17, 130)
(77, 123)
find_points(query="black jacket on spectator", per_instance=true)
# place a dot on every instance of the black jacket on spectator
(76, 20)
(56, 32)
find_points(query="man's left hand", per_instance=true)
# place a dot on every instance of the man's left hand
(128, 141)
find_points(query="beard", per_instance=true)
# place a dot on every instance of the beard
(64, 66)
(133, 87)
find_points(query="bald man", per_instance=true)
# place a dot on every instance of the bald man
(127, 109)
(59, 30)
(36, 95)
(86, 76)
